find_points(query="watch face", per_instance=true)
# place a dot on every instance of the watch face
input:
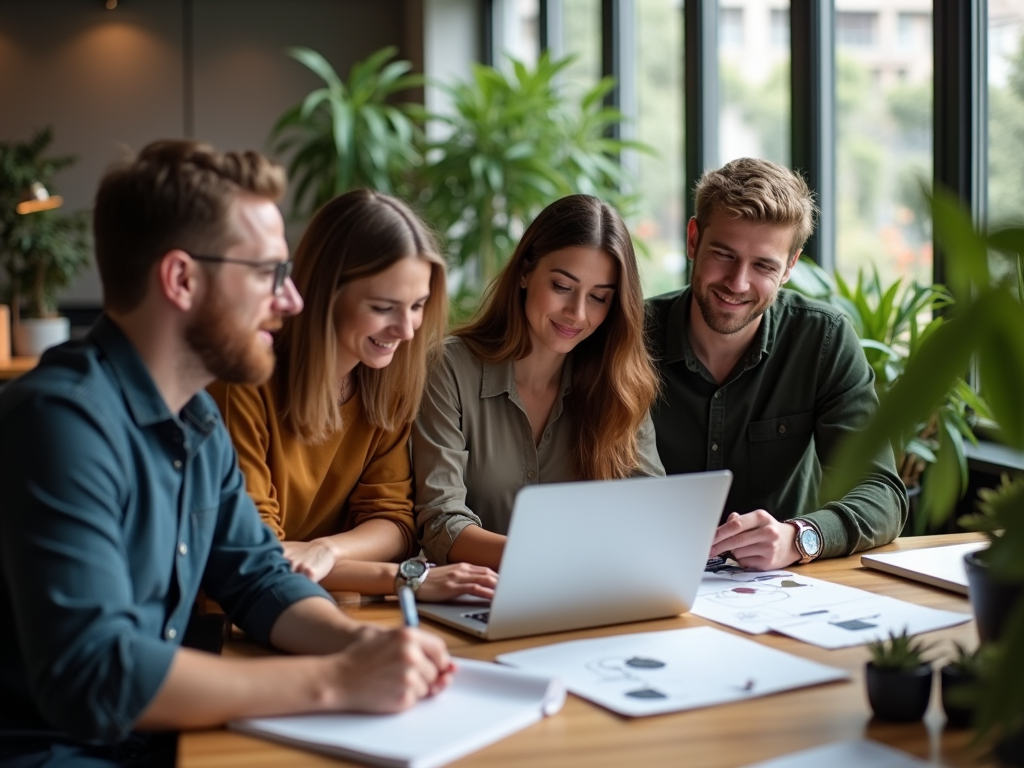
(811, 541)
(412, 569)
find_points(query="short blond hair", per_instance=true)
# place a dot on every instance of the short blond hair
(757, 190)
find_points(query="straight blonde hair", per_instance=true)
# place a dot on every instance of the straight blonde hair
(358, 234)
(613, 378)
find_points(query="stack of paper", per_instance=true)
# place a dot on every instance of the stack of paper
(938, 566)
(656, 672)
(484, 703)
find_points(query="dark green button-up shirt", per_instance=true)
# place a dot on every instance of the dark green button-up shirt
(803, 384)
(114, 512)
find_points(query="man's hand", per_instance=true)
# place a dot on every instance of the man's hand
(390, 670)
(448, 581)
(313, 559)
(756, 540)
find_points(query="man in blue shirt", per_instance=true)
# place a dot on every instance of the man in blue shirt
(122, 495)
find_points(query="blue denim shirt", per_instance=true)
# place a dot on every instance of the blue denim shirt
(114, 512)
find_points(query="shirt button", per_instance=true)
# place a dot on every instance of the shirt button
(718, 394)
(183, 548)
(714, 446)
(531, 474)
(782, 429)
(547, 436)
(172, 633)
(176, 464)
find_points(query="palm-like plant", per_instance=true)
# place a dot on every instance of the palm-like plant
(347, 135)
(512, 144)
(893, 322)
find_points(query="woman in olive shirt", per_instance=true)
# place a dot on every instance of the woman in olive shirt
(324, 444)
(550, 382)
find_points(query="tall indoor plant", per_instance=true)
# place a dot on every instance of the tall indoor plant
(987, 325)
(40, 252)
(893, 322)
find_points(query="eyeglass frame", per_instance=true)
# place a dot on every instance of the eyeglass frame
(282, 269)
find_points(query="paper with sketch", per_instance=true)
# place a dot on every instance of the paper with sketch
(656, 672)
(846, 754)
(485, 703)
(814, 611)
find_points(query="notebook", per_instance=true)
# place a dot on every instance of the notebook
(941, 567)
(593, 553)
(484, 703)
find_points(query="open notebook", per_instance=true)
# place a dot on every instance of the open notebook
(484, 703)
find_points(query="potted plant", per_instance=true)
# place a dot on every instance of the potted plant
(893, 322)
(899, 680)
(958, 679)
(347, 134)
(512, 143)
(985, 325)
(41, 252)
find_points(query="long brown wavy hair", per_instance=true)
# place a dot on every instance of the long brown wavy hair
(358, 234)
(613, 378)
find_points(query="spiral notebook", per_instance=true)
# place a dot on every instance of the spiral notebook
(485, 703)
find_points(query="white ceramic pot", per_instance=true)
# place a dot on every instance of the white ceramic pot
(35, 335)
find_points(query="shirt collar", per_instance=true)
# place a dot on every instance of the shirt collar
(145, 403)
(679, 349)
(500, 379)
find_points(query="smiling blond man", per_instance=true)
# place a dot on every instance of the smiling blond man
(759, 380)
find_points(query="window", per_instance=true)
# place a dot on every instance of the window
(1006, 112)
(913, 30)
(730, 30)
(517, 30)
(856, 29)
(780, 27)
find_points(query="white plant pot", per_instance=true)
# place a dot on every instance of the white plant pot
(35, 335)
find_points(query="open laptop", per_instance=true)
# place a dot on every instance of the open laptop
(587, 554)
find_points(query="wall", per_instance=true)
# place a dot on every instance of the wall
(150, 69)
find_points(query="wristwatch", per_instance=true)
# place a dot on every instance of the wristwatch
(412, 573)
(808, 540)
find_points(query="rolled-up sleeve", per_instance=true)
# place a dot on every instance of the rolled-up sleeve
(440, 458)
(90, 669)
(647, 443)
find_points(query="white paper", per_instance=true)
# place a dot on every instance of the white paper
(655, 672)
(484, 703)
(846, 754)
(814, 611)
(939, 566)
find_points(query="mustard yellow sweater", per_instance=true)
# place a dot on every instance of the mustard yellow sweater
(303, 491)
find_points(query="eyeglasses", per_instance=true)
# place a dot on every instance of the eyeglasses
(282, 269)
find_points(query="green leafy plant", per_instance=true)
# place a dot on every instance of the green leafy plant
(986, 324)
(967, 662)
(512, 144)
(347, 134)
(893, 322)
(42, 252)
(899, 652)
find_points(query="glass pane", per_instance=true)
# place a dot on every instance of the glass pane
(517, 30)
(581, 36)
(754, 99)
(659, 84)
(883, 138)
(1006, 111)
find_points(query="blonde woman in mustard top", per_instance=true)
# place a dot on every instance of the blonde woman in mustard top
(324, 444)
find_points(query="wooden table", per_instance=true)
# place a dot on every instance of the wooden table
(583, 734)
(15, 366)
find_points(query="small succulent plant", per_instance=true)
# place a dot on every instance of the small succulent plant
(899, 652)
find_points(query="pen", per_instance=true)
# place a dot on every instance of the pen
(407, 601)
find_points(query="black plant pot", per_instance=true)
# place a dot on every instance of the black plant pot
(991, 600)
(898, 695)
(1010, 750)
(957, 715)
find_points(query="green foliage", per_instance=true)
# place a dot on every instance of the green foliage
(899, 652)
(40, 253)
(967, 662)
(347, 135)
(893, 322)
(511, 144)
(987, 324)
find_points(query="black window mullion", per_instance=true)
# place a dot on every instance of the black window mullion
(812, 80)
(700, 69)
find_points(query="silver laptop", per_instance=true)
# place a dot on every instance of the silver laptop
(600, 552)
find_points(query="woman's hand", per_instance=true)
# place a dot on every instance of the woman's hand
(314, 559)
(445, 582)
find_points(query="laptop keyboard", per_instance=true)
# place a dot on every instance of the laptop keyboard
(480, 616)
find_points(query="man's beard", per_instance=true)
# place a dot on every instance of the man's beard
(230, 353)
(720, 322)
